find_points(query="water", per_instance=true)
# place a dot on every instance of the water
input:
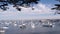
(38, 29)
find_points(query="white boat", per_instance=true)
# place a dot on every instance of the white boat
(22, 26)
(48, 24)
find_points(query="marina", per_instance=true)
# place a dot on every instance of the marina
(29, 16)
(30, 26)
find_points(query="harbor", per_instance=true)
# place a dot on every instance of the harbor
(29, 16)
(30, 26)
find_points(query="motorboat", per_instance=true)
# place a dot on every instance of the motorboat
(22, 26)
(47, 24)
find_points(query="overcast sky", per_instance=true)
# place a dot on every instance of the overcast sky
(42, 10)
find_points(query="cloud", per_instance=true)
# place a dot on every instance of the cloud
(41, 10)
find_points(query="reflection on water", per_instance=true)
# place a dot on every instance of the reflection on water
(2, 30)
(29, 27)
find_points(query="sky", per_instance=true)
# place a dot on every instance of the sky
(42, 11)
(49, 1)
